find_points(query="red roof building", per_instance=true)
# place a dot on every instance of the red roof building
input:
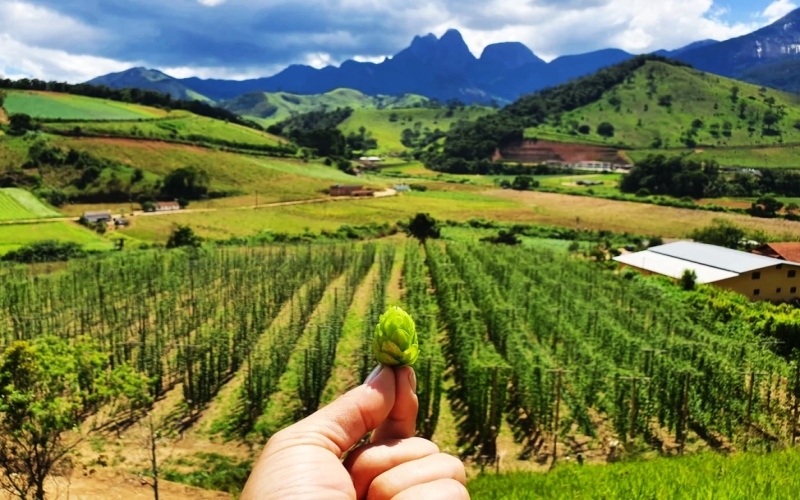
(789, 252)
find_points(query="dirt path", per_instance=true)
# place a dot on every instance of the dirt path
(381, 194)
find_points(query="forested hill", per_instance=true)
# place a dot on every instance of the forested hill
(647, 102)
(469, 146)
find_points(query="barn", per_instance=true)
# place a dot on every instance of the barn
(755, 276)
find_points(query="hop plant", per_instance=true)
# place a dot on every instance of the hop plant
(396, 342)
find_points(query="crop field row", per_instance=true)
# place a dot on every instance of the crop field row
(50, 105)
(562, 353)
(18, 204)
(183, 126)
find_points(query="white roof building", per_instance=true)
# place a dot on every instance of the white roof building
(753, 275)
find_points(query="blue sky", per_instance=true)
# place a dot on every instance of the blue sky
(75, 40)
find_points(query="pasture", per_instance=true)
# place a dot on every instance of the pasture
(55, 106)
(13, 236)
(18, 204)
(387, 125)
(180, 126)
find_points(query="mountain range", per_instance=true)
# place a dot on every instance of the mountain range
(444, 68)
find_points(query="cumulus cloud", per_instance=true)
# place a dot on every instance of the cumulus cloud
(221, 38)
(778, 9)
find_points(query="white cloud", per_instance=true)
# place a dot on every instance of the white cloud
(19, 59)
(778, 9)
(36, 25)
(637, 26)
(211, 3)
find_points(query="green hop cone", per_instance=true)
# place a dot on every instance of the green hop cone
(396, 342)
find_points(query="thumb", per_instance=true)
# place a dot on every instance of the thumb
(343, 423)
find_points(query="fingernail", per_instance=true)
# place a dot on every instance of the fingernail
(372, 376)
(412, 379)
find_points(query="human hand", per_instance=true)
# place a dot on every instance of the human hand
(304, 461)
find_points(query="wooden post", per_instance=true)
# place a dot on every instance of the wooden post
(633, 409)
(559, 373)
(685, 413)
(492, 435)
(153, 456)
(796, 405)
(749, 408)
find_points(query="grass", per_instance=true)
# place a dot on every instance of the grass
(746, 476)
(388, 133)
(769, 157)
(183, 126)
(13, 236)
(504, 206)
(639, 119)
(18, 204)
(47, 105)
(274, 179)
(270, 108)
(13, 152)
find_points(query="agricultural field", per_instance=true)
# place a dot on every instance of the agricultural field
(526, 354)
(184, 126)
(18, 204)
(387, 125)
(268, 108)
(703, 476)
(275, 179)
(462, 203)
(51, 105)
(13, 236)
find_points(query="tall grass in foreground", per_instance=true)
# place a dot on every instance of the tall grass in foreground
(708, 476)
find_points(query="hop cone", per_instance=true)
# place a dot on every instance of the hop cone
(396, 342)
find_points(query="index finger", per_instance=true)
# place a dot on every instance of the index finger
(402, 420)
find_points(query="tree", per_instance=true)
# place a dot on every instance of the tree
(689, 280)
(48, 388)
(606, 129)
(524, 183)
(21, 123)
(585, 129)
(771, 119)
(183, 236)
(504, 238)
(423, 227)
(721, 233)
(766, 206)
(3, 96)
(190, 183)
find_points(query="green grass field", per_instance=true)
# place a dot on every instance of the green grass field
(13, 236)
(269, 108)
(708, 476)
(18, 204)
(274, 179)
(639, 120)
(184, 126)
(388, 133)
(771, 157)
(47, 105)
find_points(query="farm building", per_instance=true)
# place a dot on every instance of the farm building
(357, 191)
(167, 206)
(370, 159)
(95, 217)
(781, 251)
(755, 276)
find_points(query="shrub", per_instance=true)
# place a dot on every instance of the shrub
(183, 236)
(45, 251)
(643, 193)
(688, 280)
(606, 129)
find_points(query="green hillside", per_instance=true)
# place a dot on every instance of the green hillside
(180, 125)
(18, 204)
(50, 105)
(387, 125)
(269, 108)
(665, 106)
